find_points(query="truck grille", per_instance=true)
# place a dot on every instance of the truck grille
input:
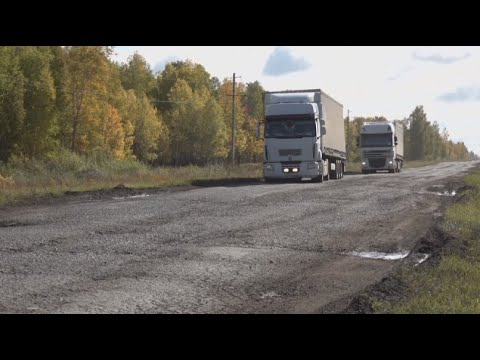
(375, 154)
(377, 163)
(293, 152)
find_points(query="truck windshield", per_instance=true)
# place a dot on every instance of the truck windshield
(286, 128)
(376, 140)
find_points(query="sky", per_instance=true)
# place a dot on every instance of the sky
(387, 81)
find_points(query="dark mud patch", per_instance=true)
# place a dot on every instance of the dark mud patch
(228, 182)
(8, 223)
(391, 288)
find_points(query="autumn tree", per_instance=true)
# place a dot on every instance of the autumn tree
(39, 131)
(12, 112)
(137, 75)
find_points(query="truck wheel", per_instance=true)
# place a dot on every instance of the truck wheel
(333, 174)
(391, 170)
(318, 179)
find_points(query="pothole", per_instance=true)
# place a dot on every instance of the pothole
(441, 190)
(379, 255)
(269, 295)
(421, 258)
(130, 197)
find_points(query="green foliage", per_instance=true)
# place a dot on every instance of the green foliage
(195, 75)
(39, 126)
(137, 75)
(12, 112)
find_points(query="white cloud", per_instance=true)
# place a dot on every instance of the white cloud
(282, 61)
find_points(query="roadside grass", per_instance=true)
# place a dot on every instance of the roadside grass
(353, 168)
(452, 286)
(23, 179)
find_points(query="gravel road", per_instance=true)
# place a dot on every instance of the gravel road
(251, 248)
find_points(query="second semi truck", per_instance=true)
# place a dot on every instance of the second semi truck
(381, 147)
(304, 136)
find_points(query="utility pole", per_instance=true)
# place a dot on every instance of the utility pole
(233, 122)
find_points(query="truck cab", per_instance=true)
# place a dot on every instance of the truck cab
(381, 147)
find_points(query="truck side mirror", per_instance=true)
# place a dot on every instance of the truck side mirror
(323, 130)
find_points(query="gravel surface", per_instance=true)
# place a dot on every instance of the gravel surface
(247, 248)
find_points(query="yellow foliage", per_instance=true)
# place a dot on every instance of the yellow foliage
(6, 181)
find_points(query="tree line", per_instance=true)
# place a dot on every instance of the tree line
(423, 140)
(76, 98)
(54, 98)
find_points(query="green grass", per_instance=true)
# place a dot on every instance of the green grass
(453, 285)
(22, 179)
(353, 167)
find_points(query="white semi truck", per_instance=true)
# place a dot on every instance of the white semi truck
(381, 147)
(304, 136)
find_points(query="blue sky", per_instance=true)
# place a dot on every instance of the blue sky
(369, 81)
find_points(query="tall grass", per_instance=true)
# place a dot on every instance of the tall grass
(23, 178)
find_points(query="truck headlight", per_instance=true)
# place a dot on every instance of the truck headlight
(364, 163)
(390, 162)
(295, 170)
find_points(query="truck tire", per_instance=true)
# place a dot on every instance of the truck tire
(333, 174)
(391, 171)
(317, 179)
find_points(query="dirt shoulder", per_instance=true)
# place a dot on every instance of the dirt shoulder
(436, 244)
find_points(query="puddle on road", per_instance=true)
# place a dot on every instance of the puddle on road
(130, 197)
(448, 193)
(437, 190)
(269, 295)
(422, 259)
(379, 255)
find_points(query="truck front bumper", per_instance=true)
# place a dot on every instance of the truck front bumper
(280, 170)
(374, 164)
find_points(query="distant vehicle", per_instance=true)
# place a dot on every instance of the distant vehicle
(381, 147)
(304, 136)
